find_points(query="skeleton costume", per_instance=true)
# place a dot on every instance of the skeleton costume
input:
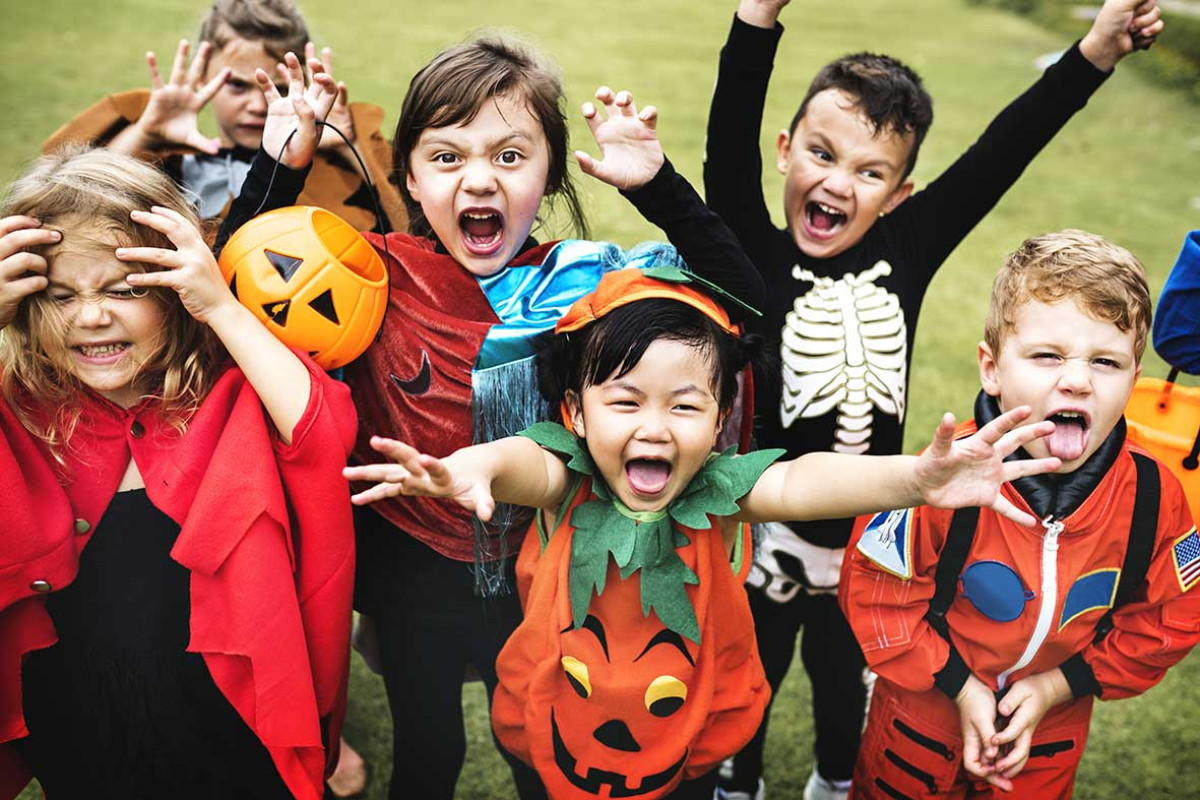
(845, 327)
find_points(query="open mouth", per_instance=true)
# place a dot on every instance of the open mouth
(647, 476)
(482, 231)
(822, 219)
(101, 353)
(596, 778)
(1071, 433)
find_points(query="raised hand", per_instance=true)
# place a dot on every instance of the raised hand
(1121, 27)
(630, 153)
(298, 111)
(190, 269)
(969, 472)
(21, 273)
(760, 13)
(172, 113)
(339, 115)
(413, 473)
(1026, 702)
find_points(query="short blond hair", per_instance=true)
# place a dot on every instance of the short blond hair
(1105, 280)
(88, 195)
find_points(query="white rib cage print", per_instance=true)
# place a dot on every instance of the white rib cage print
(845, 345)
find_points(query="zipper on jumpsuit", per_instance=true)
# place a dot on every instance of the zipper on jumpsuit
(1049, 598)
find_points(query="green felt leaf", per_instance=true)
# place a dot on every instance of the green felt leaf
(723, 481)
(669, 274)
(601, 531)
(555, 437)
(664, 589)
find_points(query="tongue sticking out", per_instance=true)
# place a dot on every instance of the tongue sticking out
(647, 477)
(481, 228)
(1069, 439)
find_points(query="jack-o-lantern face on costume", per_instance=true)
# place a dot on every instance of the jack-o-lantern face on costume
(621, 706)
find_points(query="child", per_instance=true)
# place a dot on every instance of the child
(481, 141)
(236, 38)
(177, 551)
(845, 283)
(644, 371)
(1097, 600)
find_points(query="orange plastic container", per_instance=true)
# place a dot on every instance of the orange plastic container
(1164, 418)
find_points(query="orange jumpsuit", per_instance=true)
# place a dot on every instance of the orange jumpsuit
(1027, 601)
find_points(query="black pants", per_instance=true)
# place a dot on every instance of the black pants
(834, 663)
(431, 626)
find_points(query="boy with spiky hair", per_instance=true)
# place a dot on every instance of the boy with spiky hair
(845, 282)
(991, 639)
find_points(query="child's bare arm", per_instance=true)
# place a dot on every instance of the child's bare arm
(171, 115)
(1121, 27)
(949, 474)
(278, 376)
(760, 13)
(1026, 703)
(512, 470)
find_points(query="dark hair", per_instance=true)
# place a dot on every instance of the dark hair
(886, 91)
(615, 344)
(275, 23)
(451, 89)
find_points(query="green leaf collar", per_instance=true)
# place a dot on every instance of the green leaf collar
(647, 541)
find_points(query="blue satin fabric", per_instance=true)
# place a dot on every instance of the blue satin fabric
(530, 300)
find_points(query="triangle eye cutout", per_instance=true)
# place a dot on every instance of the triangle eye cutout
(323, 305)
(278, 311)
(286, 266)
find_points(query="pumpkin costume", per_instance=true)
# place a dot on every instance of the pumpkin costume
(635, 666)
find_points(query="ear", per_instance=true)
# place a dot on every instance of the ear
(411, 183)
(898, 196)
(987, 370)
(783, 151)
(721, 420)
(575, 414)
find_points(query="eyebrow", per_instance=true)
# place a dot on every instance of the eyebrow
(445, 141)
(594, 625)
(666, 636)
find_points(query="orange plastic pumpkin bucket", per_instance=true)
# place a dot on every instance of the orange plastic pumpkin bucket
(1164, 418)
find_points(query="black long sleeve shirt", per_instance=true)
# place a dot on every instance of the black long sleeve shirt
(844, 325)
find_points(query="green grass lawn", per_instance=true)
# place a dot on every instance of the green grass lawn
(1128, 167)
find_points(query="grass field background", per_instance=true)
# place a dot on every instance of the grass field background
(1127, 167)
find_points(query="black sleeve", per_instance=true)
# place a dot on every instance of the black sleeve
(946, 211)
(285, 185)
(732, 160)
(704, 241)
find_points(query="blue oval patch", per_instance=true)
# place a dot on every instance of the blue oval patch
(996, 590)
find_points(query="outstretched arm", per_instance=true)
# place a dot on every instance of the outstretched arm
(632, 160)
(170, 118)
(276, 373)
(950, 473)
(510, 470)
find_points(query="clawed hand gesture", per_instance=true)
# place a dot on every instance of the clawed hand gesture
(171, 115)
(630, 153)
(339, 115)
(414, 473)
(297, 111)
(22, 271)
(970, 471)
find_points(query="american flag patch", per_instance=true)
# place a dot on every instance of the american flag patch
(1186, 551)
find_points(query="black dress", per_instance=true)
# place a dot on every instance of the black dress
(117, 708)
